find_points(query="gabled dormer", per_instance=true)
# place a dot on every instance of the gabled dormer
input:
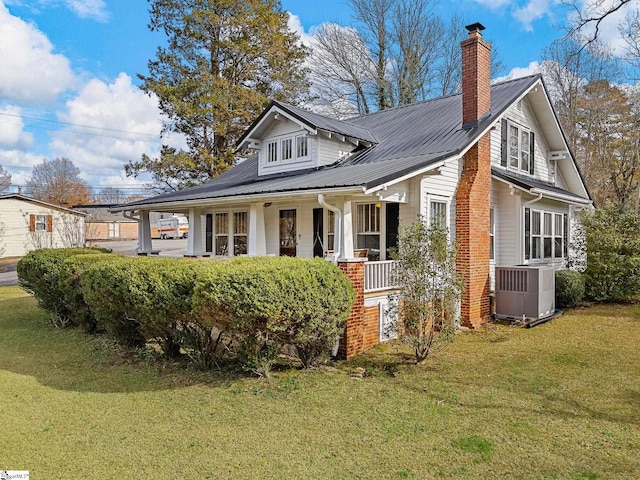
(532, 144)
(288, 138)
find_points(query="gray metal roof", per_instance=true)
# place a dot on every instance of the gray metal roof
(409, 138)
(529, 183)
(348, 128)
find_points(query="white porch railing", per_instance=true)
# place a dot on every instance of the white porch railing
(378, 276)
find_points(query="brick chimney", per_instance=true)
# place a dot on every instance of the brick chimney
(473, 196)
(476, 62)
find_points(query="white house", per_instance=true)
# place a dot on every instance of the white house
(27, 224)
(491, 163)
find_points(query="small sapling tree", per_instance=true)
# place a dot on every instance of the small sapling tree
(430, 289)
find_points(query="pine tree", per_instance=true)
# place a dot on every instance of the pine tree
(224, 60)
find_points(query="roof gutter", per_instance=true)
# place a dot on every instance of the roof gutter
(238, 198)
(544, 193)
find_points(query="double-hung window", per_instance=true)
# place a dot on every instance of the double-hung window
(368, 228)
(302, 147)
(221, 234)
(287, 149)
(518, 148)
(272, 152)
(240, 233)
(41, 223)
(545, 235)
(438, 213)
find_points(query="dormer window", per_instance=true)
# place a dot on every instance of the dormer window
(518, 148)
(302, 146)
(272, 152)
(287, 149)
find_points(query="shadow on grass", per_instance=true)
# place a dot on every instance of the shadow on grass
(68, 359)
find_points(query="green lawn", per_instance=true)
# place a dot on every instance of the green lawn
(561, 400)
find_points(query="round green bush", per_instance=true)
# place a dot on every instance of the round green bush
(570, 287)
(266, 302)
(38, 273)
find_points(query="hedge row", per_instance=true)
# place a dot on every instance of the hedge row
(251, 306)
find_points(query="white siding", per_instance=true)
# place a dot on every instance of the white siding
(524, 118)
(442, 186)
(16, 239)
(508, 226)
(331, 149)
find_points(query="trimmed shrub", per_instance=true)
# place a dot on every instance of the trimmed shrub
(267, 302)
(38, 273)
(71, 272)
(140, 299)
(569, 288)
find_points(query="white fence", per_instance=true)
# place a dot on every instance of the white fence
(378, 276)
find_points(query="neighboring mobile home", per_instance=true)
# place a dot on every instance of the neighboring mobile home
(27, 224)
(491, 164)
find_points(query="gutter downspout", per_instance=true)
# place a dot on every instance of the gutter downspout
(338, 233)
(537, 199)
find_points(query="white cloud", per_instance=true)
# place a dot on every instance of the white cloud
(119, 123)
(31, 73)
(19, 164)
(493, 4)
(518, 72)
(295, 25)
(608, 29)
(94, 9)
(12, 135)
(533, 10)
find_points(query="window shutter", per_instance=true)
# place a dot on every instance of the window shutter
(32, 223)
(503, 159)
(49, 223)
(532, 151)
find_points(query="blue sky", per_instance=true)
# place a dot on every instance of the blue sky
(68, 84)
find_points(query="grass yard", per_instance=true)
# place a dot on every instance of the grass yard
(560, 401)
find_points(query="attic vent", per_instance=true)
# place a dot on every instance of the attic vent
(519, 105)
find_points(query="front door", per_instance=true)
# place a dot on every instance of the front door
(288, 233)
(209, 233)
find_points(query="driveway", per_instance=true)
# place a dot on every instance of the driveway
(168, 248)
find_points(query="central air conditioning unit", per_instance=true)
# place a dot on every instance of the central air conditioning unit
(525, 292)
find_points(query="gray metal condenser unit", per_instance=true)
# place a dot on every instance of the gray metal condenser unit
(525, 292)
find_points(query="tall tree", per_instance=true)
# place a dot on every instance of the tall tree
(5, 179)
(223, 61)
(609, 122)
(567, 68)
(343, 72)
(58, 181)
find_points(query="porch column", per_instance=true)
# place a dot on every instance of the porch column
(257, 244)
(194, 241)
(144, 234)
(346, 240)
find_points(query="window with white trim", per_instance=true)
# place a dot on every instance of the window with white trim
(240, 230)
(287, 149)
(331, 230)
(272, 152)
(368, 228)
(302, 146)
(41, 223)
(221, 234)
(545, 235)
(438, 213)
(518, 148)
